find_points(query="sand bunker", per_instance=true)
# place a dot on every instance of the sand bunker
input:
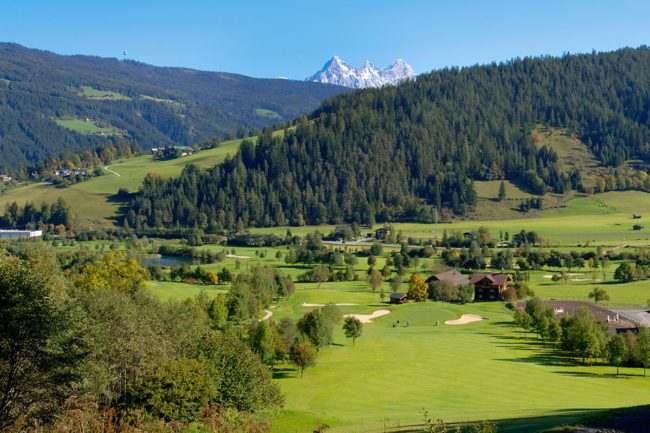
(342, 304)
(234, 256)
(464, 319)
(367, 318)
(569, 274)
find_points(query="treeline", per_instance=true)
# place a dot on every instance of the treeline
(406, 153)
(97, 349)
(33, 216)
(581, 336)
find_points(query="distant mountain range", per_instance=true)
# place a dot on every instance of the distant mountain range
(51, 103)
(341, 73)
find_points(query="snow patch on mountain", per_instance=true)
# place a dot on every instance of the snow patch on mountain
(337, 71)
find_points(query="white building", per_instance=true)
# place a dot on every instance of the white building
(12, 234)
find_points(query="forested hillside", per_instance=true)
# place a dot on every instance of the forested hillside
(51, 103)
(401, 153)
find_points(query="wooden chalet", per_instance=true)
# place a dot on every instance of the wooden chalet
(453, 277)
(398, 298)
(490, 286)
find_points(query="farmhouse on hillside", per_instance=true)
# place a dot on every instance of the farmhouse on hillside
(398, 298)
(453, 277)
(636, 216)
(489, 286)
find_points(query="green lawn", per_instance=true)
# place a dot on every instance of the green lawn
(484, 370)
(87, 127)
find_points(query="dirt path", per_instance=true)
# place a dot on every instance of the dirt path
(465, 319)
(111, 171)
(367, 318)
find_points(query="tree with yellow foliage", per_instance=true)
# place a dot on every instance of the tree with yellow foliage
(417, 288)
(113, 271)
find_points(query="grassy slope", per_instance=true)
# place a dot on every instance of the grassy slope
(86, 127)
(90, 199)
(105, 95)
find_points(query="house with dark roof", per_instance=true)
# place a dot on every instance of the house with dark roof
(453, 277)
(490, 286)
(398, 298)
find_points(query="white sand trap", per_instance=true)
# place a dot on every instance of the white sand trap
(570, 275)
(464, 319)
(581, 279)
(234, 256)
(367, 318)
(267, 316)
(342, 304)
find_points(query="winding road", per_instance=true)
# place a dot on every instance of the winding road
(111, 171)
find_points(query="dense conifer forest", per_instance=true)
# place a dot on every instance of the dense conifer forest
(133, 101)
(412, 152)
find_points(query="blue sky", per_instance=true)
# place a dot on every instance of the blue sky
(294, 38)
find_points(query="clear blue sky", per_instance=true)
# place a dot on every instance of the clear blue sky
(294, 38)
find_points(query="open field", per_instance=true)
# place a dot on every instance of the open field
(87, 127)
(102, 95)
(604, 219)
(267, 114)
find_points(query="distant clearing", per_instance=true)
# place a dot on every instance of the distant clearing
(163, 101)
(88, 127)
(102, 95)
(267, 114)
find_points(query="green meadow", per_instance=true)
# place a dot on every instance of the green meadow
(104, 95)
(87, 127)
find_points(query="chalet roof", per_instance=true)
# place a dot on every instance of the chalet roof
(397, 295)
(498, 279)
(452, 276)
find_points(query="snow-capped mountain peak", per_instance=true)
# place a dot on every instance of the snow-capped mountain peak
(337, 71)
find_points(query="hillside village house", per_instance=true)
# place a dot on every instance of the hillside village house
(489, 286)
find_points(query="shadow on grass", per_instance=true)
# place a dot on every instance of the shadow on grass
(284, 372)
(538, 424)
(612, 375)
